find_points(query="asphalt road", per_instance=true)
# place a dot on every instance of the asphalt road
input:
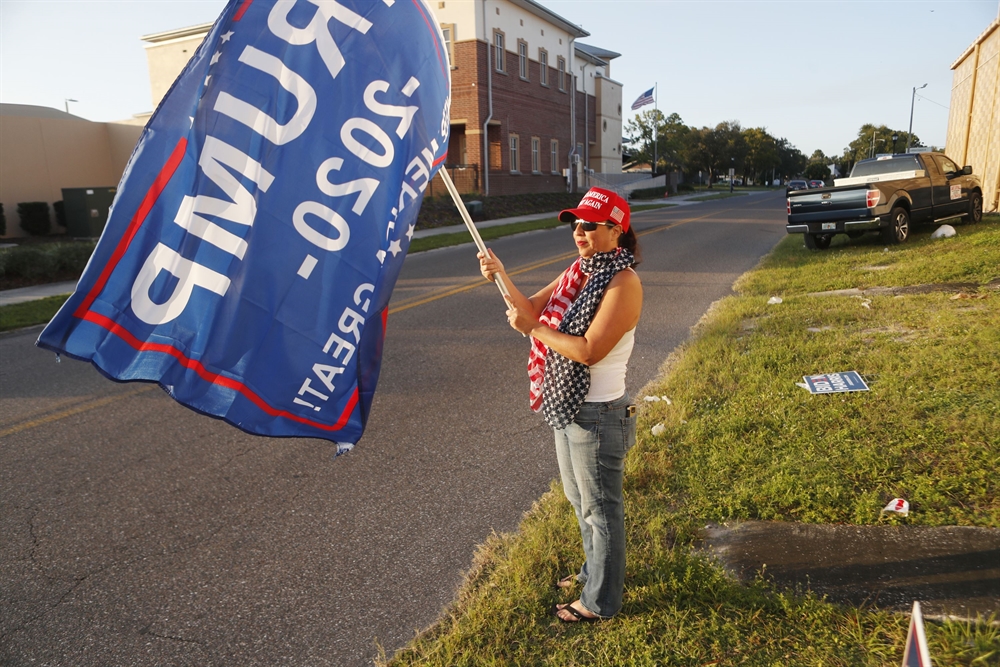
(136, 532)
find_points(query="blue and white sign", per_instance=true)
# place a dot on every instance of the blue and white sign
(833, 383)
(265, 213)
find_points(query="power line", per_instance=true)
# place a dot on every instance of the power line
(931, 101)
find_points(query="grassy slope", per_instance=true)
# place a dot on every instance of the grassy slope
(742, 441)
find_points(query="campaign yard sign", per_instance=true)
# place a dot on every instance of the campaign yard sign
(832, 383)
(265, 213)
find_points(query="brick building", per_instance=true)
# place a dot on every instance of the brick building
(528, 95)
(546, 102)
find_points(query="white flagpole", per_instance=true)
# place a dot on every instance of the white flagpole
(656, 109)
(453, 191)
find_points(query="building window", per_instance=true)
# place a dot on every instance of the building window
(561, 66)
(498, 51)
(543, 66)
(522, 58)
(448, 30)
(536, 157)
(554, 155)
(514, 164)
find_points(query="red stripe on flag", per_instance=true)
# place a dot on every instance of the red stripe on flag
(437, 46)
(140, 216)
(439, 160)
(215, 378)
(242, 10)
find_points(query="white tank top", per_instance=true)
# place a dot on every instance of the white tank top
(607, 376)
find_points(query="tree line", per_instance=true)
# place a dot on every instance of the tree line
(756, 156)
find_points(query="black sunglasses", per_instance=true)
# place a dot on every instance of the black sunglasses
(589, 226)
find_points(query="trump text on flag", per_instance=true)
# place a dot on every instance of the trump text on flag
(265, 213)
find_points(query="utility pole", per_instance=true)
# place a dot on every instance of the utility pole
(909, 134)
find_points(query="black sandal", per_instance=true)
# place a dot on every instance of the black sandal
(580, 618)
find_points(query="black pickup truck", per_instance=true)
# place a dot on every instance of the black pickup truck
(887, 194)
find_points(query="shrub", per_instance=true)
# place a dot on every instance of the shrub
(35, 217)
(72, 257)
(685, 187)
(60, 210)
(649, 193)
(3, 222)
(47, 262)
(29, 262)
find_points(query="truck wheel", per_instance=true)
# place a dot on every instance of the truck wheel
(855, 235)
(818, 241)
(975, 213)
(899, 227)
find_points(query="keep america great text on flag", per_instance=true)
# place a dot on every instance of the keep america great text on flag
(264, 215)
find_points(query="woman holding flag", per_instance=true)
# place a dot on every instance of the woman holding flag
(582, 328)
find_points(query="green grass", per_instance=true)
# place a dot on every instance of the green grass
(742, 441)
(30, 313)
(488, 233)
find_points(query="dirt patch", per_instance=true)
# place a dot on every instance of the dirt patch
(952, 570)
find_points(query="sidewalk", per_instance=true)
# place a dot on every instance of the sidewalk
(22, 294)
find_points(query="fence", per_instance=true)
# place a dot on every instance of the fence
(465, 177)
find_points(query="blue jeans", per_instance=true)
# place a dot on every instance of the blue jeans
(591, 453)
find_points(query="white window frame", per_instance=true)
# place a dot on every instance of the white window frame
(499, 49)
(554, 155)
(536, 157)
(561, 65)
(513, 153)
(543, 67)
(522, 59)
(448, 31)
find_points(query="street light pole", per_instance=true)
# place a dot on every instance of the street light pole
(66, 101)
(909, 134)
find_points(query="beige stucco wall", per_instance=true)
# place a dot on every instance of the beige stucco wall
(40, 156)
(605, 155)
(974, 116)
(166, 60)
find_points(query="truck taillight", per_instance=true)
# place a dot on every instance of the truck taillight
(789, 202)
(873, 198)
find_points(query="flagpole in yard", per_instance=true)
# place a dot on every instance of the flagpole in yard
(453, 191)
(656, 109)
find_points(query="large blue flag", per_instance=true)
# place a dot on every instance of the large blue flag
(265, 213)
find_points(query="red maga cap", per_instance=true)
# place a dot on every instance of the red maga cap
(599, 205)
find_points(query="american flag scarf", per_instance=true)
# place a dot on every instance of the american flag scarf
(559, 385)
(559, 302)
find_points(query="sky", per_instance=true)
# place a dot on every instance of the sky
(811, 71)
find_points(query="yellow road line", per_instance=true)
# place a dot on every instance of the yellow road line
(90, 405)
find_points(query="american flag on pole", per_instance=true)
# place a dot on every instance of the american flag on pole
(644, 99)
